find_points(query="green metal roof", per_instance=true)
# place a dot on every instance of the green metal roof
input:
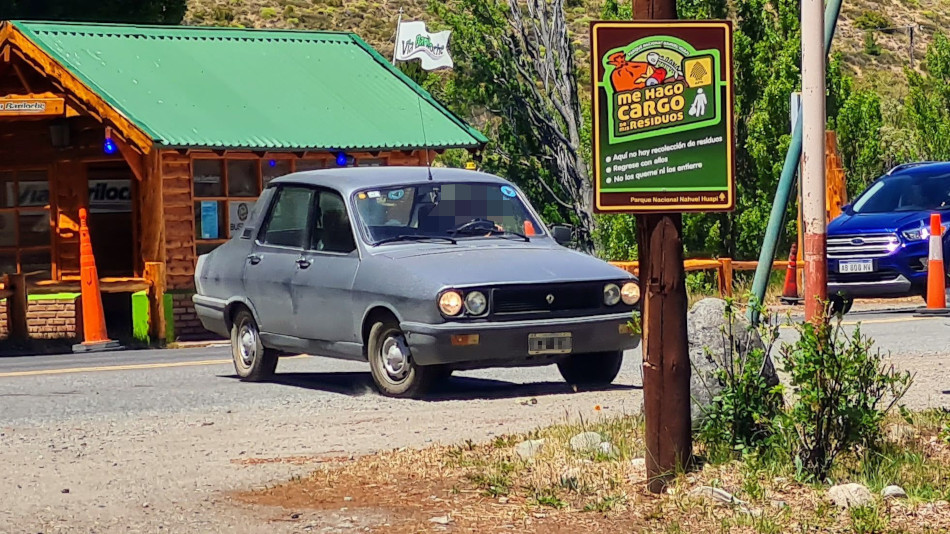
(230, 88)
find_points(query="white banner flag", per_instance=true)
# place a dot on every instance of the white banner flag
(414, 42)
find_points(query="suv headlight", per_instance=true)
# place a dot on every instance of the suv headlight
(919, 234)
(630, 293)
(611, 294)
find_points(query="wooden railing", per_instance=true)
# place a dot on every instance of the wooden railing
(724, 268)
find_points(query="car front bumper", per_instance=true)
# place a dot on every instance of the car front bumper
(506, 343)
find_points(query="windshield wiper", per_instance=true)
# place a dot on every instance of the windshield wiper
(414, 237)
(509, 233)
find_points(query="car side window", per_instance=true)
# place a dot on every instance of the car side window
(287, 223)
(332, 230)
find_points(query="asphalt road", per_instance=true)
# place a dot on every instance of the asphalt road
(97, 385)
(159, 440)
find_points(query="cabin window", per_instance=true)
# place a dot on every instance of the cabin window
(25, 222)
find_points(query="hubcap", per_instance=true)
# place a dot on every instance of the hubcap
(395, 356)
(247, 341)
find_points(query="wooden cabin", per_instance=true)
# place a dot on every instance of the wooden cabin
(167, 135)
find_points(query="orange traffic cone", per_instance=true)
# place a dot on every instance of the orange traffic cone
(936, 275)
(790, 291)
(95, 337)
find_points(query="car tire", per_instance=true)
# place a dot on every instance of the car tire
(390, 361)
(252, 361)
(595, 369)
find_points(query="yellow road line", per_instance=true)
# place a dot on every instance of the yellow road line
(129, 367)
(879, 321)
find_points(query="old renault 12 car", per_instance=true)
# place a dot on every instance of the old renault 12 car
(419, 271)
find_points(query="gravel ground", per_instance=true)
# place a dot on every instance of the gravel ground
(162, 449)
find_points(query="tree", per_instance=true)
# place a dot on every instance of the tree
(131, 11)
(928, 104)
(515, 74)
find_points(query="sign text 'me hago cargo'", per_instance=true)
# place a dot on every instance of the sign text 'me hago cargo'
(663, 124)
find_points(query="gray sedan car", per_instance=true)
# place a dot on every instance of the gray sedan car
(417, 271)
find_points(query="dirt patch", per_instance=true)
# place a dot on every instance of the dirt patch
(489, 488)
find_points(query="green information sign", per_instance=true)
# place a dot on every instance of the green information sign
(663, 123)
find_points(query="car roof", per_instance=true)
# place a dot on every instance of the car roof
(351, 179)
(921, 168)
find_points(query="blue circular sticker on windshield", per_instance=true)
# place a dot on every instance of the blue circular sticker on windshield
(508, 191)
(396, 194)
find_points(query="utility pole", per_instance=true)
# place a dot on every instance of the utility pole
(666, 365)
(813, 168)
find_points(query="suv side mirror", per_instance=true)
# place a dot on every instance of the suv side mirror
(562, 234)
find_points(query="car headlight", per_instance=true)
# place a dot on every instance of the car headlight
(611, 294)
(917, 234)
(476, 303)
(630, 293)
(450, 303)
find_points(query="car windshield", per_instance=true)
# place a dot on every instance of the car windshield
(444, 210)
(906, 193)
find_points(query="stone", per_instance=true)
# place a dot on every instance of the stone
(717, 495)
(640, 464)
(850, 495)
(586, 442)
(607, 448)
(527, 450)
(705, 325)
(441, 520)
(893, 492)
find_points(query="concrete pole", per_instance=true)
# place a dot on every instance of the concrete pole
(813, 146)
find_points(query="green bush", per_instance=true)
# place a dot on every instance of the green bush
(842, 391)
(741, 417)
(872, 20)
(871, 47)
(268, 13)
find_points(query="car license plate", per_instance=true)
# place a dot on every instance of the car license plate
(857, 266)
(559, 343)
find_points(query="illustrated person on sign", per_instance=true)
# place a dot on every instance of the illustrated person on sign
(698, 109)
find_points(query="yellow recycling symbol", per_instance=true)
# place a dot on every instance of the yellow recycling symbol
(699, 71)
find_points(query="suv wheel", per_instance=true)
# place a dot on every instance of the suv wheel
(390, 361)
(596, 369)
(252, 362)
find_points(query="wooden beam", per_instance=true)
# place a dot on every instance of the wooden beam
(5, 54)
(131, 155)
(155, 274)
(47, 65)
(23, 80)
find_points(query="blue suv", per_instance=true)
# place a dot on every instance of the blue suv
(878, 246)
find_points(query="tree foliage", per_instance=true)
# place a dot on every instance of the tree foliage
(133, 11)
(928, 104)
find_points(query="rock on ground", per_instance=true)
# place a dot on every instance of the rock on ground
(706, 324)
(586, 441)
(894, 492)
(529, 449)
(716, 495)
(850, 495)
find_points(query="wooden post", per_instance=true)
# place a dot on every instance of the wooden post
(724, 275)
(666, 366)
(155, 274)
(17, 305)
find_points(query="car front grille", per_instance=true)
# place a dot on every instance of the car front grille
(861, 246)
(547, 298)
(858, 278)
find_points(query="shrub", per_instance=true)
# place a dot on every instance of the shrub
(871, 47)
(268, 13)
(872, 20)
(740, 417)
(842, 392)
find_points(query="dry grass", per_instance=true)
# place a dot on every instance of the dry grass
(486, 487)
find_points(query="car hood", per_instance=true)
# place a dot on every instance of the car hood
(860, 223)
(461, 265)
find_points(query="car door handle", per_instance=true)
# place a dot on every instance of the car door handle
(254, 258)
(303, 263)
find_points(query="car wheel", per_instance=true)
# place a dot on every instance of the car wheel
(596, 369)
(390, 361)
(252, 362)
(840, 304)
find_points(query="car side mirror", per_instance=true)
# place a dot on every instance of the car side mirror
(562, 234)
(845, 207)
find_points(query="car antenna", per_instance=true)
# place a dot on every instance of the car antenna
(425, 140)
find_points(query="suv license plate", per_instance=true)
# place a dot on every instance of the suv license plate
(549, 343)
(859, 266)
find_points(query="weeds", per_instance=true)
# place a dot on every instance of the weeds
(867, 520)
